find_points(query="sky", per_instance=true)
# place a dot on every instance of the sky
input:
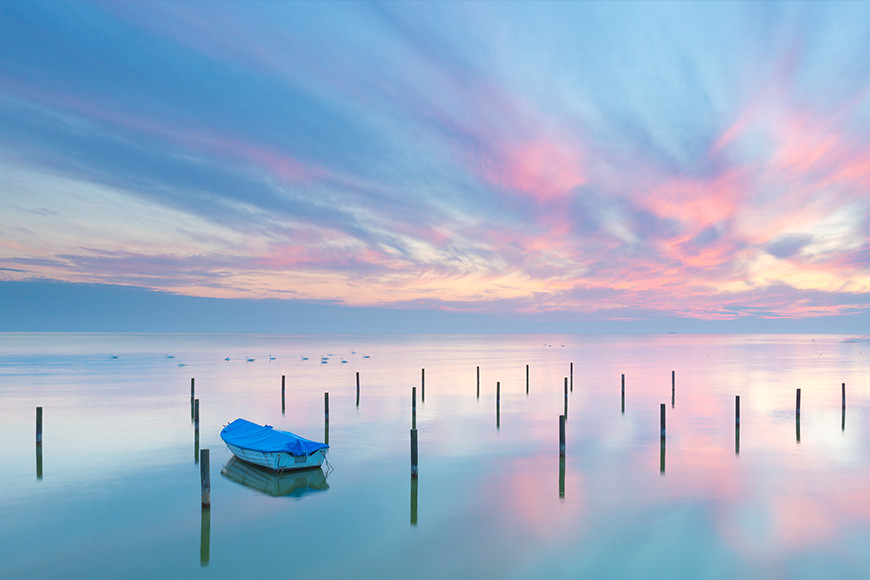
(586, 163)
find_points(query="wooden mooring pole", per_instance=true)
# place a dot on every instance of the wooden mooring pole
(39, 425)
(737, 424)
(357, 388)
(571, 375)
(422, 385)
(562, 435)
(623, 393)
(843, 421)
(205, 477)
(527, 379)
(413, 407)
(39, 443)
(797, 416)
(566, 397)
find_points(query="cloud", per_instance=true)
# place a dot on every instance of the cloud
(706, 162)
(788, 245)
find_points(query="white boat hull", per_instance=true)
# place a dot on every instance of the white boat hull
(279, 461)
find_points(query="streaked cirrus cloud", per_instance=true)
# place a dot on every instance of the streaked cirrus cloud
(607, 160)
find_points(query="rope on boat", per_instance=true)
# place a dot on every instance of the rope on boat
(329, 467)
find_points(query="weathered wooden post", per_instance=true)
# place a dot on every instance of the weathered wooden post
(414, 469)
(413, 407)
(205, 477)
(422, 385)
(737, 424)
(562, 435)
(196, 430)
(843, 422)
(357, 388)
(673, 388)
(478, 382)
(623, 393)
(282, 393)
(527, 379)
(39, 443)
(663, 420)
(737, 410)
(571, 375)
(797, 416)
(566, 398)
(192, 380)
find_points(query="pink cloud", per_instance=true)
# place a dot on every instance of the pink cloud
(543, 168)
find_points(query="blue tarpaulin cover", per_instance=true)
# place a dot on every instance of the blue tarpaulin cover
(267, 439)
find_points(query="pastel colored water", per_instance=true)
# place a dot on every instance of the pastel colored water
(116, 491)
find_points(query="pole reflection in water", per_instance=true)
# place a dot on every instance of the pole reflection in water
(39, 461)
(662, 457)
(414, 483)
(737, 440)
(797, 428)
(561, 477)
(204, 536)
(326, 432)
(843, 421)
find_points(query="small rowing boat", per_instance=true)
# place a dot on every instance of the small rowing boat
(272, 448)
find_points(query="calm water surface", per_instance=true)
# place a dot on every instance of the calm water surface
(115, 491)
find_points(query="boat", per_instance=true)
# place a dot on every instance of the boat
(265, 446)
(294, 483)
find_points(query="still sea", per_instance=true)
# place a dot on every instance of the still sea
(113, 491)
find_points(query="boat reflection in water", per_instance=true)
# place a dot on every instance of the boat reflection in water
(289, 483)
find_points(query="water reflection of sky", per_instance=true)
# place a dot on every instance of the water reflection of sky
(120, 488)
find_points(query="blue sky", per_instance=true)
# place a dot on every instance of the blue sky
(543, 163)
